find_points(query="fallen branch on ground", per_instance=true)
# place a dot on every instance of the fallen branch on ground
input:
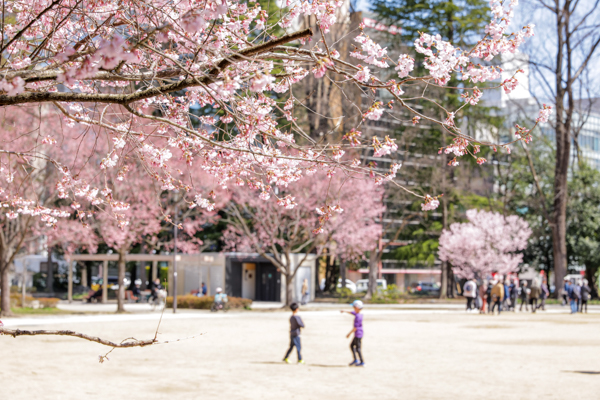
(133, 343)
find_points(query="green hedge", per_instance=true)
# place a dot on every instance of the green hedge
(204, 303)
(45, 302)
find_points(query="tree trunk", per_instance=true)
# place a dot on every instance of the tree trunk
(121, 292)
(590, 275)
(343, 273)
(373, 270)
(5, 284)
(559, 226)
(451, 283)
(50, 273)
(289, 288)
(445, 267)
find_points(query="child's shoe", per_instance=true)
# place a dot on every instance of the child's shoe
(353, 363)
(300, 361)
(286, 360)
(361, 364)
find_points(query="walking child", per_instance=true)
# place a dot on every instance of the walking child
(357, 330)
(295, 325)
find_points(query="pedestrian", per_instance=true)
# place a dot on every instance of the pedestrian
(295, 325)
(573, 296)
(305, 292)
(544, 295)
(478, 299)
(469, 292)
(506, 300)
(202, 290)
(483, 297)
(514, 294)
(565, 292)
(488, 295)
(534, 295)
(498, 296)
(524, 295)
(585, 295)
(357, 330)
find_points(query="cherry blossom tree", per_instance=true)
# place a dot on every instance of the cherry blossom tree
(139, 71)
(489, 242)
(275, 232)
(21, 179)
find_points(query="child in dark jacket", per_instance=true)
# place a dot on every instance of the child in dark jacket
(295, 325)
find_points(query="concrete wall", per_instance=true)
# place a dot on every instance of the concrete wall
(193, 269)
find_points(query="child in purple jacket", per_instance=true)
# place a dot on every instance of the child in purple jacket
(356, 344)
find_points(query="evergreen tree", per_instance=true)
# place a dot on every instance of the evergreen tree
(459, 22)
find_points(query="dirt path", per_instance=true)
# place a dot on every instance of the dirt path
(417, 355)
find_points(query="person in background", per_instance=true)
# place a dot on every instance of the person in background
(220, 297)
(534, 295)
(573, 296)
(506, 299)
(478, 299)
(488, 294)
(578, 288)
(544, 294)
(565, 292)
(155, 287)
(357, 330)
(513, 289)
(483, 296)
(524, 295)
(469, 292)
(585, 295)
(497, 296)
(305, 292)
(135, 291)
(202, 290)
(295, 325)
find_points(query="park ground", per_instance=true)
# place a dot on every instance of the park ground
(420, 352)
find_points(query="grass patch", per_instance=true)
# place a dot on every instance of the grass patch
(38, 311)
(559, 301)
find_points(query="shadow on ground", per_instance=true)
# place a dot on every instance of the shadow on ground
(307, 364)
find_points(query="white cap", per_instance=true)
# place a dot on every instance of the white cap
(219, 290)
(358, 304)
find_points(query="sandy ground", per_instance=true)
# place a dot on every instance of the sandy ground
(410, 354)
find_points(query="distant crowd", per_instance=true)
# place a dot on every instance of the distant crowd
(508, 294)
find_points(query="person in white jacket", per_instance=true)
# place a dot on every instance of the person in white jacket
(470, 292)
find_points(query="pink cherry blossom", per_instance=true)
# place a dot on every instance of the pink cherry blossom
(405, 65)
(489, 242)
(138, 76)
(544, 114)
(363, 74)
(430, 203)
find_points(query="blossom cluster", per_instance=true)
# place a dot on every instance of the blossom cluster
(147, 72)
(375, 55)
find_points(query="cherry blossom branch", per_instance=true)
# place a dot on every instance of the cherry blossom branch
(135, 343)
(26, 27)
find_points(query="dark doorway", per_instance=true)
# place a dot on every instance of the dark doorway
(233, 280)
(268, 283)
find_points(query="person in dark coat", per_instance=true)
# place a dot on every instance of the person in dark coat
(514, 294)
(585, 295)
(534, 295)
(524, 295)
(544, 295)
(573, 293)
